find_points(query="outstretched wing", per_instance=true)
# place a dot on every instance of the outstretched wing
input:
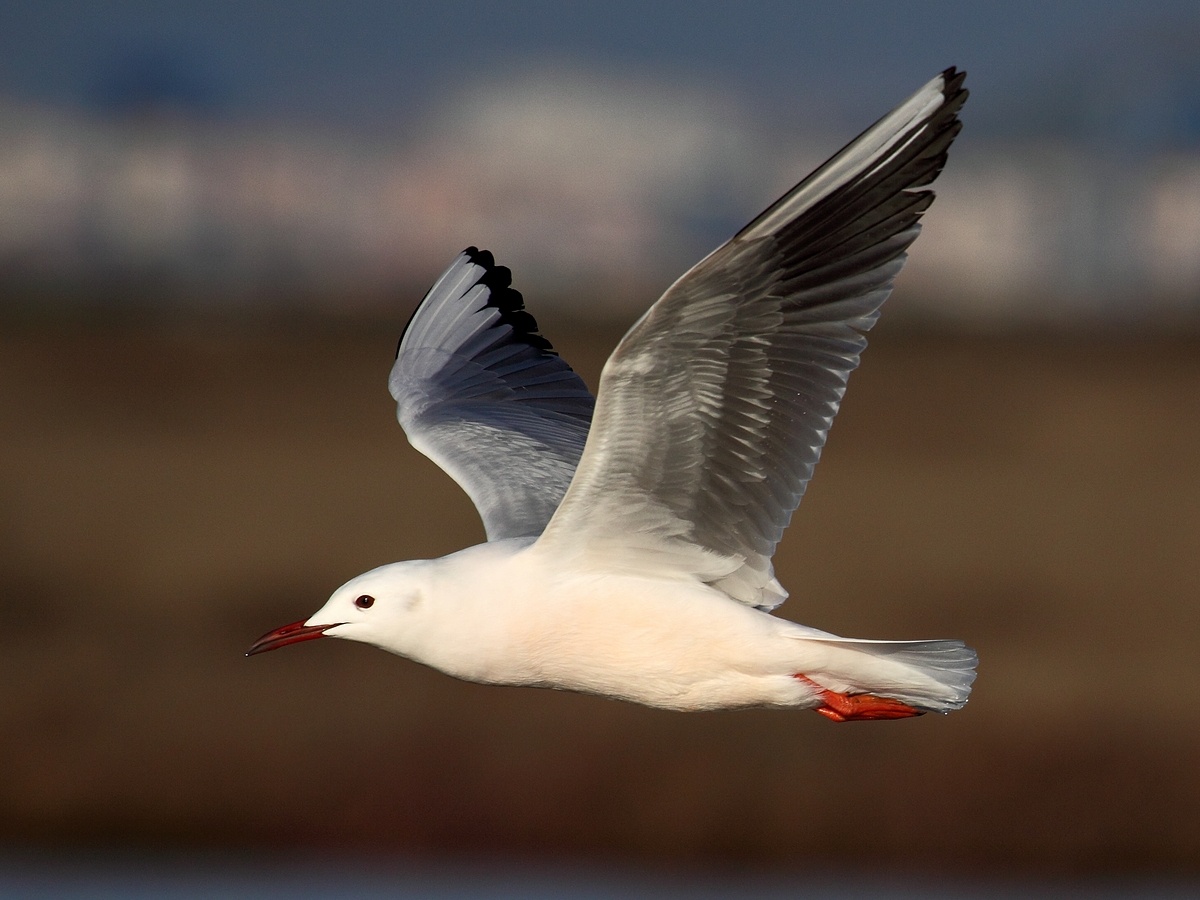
(482, 393)
(714, 408)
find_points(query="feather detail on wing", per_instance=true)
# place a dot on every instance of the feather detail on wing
(714, 408)
(482, 393)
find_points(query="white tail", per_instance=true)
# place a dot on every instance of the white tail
(930, 675)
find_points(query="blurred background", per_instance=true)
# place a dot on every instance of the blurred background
(216, 218)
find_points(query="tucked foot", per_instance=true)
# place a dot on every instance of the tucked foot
(851, 707)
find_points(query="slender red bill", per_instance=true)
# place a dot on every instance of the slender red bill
(288, 634)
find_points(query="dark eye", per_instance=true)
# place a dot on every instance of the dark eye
(366, 601)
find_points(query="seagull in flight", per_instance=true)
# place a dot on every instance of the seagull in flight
(630, 536)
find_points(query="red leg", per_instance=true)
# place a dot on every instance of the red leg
(851, 707)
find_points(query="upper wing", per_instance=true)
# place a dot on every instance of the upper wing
(715, 406)
(482, 393)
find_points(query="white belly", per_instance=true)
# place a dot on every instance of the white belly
(662, 643)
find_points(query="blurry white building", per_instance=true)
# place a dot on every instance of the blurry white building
(587, 188)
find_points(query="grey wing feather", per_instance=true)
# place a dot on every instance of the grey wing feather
(715, 406)
(482, 393)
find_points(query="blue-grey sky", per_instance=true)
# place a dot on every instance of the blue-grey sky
(381, 64)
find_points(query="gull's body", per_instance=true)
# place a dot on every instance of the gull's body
(629, 545)
(509, 612)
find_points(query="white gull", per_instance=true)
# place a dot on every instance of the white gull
(629, 538)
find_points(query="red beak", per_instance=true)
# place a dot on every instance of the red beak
(288, 634)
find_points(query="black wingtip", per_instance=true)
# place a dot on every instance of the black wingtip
(495, 276)
(508, 300)
(502, 297)
(952, 86)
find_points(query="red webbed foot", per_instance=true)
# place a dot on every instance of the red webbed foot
(858, 707)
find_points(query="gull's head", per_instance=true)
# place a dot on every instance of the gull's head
(382, 607)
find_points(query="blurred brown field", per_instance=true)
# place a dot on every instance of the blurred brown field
(171, 491)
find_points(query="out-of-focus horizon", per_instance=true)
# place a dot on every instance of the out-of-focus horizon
(239, 156)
